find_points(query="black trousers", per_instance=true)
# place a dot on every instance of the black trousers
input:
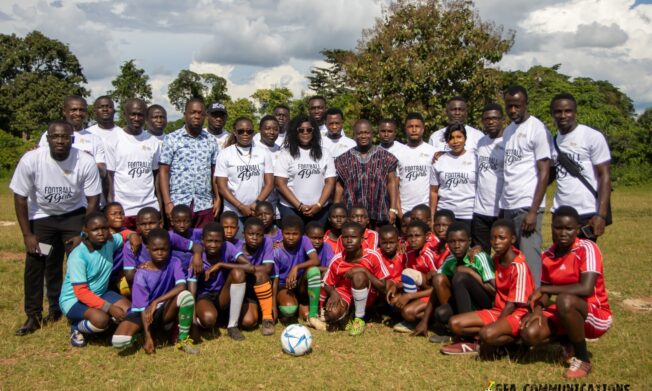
(468, 296)
(53, 230)
(481, 231)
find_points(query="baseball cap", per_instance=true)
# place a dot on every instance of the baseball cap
(216, 107)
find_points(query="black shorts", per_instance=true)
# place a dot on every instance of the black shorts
(137, 317)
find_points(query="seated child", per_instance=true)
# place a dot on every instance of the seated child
(218, 288)
(358, 214)
(85, 296)
(315, 232)
(294, 259)
(337, 215)
(499, 325)
(159, 297)
(411, 294)
(393, 258)
(422, 213)
(355, 275)
(443, 219)
(403, 245)
(115, 215)
(181, 225)
(469, 282)
(265, 212)
(572, 270)
(231, 223)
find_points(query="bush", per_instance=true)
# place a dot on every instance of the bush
(11, 150)
(633, 173)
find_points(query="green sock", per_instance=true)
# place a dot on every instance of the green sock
(314, 285)
(186, 304)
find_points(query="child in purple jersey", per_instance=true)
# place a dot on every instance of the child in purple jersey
(147, 220)
(265, 212)
(294, 256)
(159, 296)
(181, 224)
(231, 224)
(315, 232)
(115, 216)
(218, 288)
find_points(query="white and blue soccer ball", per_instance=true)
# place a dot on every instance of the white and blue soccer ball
(296, 340)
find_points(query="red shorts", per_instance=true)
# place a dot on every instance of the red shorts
(129, 222)
(345, 293)
(597, 322)
(514, 319)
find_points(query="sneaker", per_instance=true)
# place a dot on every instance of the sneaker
(461, 348)
(404, 327)
(235, 333)
(357, 327)
(77, 338)
(578, 369)
(349, 325)
(188, 346)
(567, 354)
(440, 338)
(267, 327)
(317, 324)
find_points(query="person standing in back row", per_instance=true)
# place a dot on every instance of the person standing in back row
(526, 172)
(456, 113)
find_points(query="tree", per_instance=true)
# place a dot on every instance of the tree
(267, 99)
(132, 82)
(645, 120)
(188, 85)
(416, 57)
(241, 107)
(36, 74)
(330, 81)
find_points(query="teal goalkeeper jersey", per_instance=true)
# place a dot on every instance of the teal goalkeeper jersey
(481, 264)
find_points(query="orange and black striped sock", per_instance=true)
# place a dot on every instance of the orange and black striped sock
(264, 295)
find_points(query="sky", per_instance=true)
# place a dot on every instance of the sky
(274, 43)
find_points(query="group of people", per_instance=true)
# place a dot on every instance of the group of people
(204, 227)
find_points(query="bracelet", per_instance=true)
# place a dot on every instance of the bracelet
(602, 217)
(393, 211)
(300, 205)
(319, 204)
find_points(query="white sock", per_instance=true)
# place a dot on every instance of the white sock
(86, 327)
(237, 292)
(121, 341)
(360, 301)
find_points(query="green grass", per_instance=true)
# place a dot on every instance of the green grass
(378, 359)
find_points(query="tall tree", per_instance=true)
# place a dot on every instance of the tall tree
(645, 120)
(267, 99)
(420, 54)
(36, 74)
(241, 107)
(188, 84)
(132, 82)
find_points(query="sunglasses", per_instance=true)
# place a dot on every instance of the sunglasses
(304, 130)
(240, 132)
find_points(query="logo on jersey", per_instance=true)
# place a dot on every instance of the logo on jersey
(138, 169)
(412, 173)
(454, 179)
(57, 194)
(247, 171)
(561, 171)
(307, 170)
(512, 156)
(486, 163)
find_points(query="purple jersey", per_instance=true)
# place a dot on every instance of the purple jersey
(237, 243)
(150, 284)
(228, 254)
(326, 254)
(131, 261)
(285, 259)
(118, 259)
(277, 237)
(264, 254)
(195, 235)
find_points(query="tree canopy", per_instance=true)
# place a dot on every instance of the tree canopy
(132, 82)
(188, 84)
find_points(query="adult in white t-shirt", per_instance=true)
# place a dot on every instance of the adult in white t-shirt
(267, 139)
(53, 189)
(105, 126)
(589, 150)
(157, 120)
(132, 163)
(387, 136)
(527, 169)
(453, 176)
(217, 115)
(334, 140)
(490, 155)
(304, 173)
(414, 166)
(316, 110)
(456, 112)
(244, 172)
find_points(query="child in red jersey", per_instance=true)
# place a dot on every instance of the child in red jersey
(422, 213)
(443, 219)
(337, 216)
(358, 214)
(393, 257)
(571, 270)
(499, 325)
(356, 275)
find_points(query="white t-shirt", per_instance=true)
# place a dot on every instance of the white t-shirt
(455, 176)
(133, 160)
(414, 166)
(395, 149)
(160, 139)
(473, 135)
(84, 141)
(273, 197)
(245, 170)
(305, 175)
(104, 134)
(337, 147)
(587, 147)
(220, 139)
(52, 187)
(491, 159)
(525, 144)
(323, 129)
(279, 141)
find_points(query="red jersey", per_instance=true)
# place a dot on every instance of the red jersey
(331, 242)
(371, 260)
(432, 241)
(441, 257)
(584, 257)
(395, 265)
(514, 282)
(369, 241)
(422, 261)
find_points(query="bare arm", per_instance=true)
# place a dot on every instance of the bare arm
(110, 196)
(434, 199)
(223, 188)
(30, 240)
(339, 191)
(604, 198)
(543, 172)
(164, 186)
(392, 190)
(282, 187)
(217, 200)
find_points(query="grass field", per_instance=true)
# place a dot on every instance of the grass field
(379, 359)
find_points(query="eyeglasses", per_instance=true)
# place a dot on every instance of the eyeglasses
(240, 132)
(304, 130)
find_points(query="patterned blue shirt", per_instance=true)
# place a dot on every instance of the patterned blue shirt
(190, 160)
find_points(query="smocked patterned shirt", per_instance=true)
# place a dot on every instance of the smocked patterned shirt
(190, 160)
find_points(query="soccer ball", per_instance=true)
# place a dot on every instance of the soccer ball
(296, 340)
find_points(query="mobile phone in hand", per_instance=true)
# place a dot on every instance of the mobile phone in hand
(587, 231)
(45, 249)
